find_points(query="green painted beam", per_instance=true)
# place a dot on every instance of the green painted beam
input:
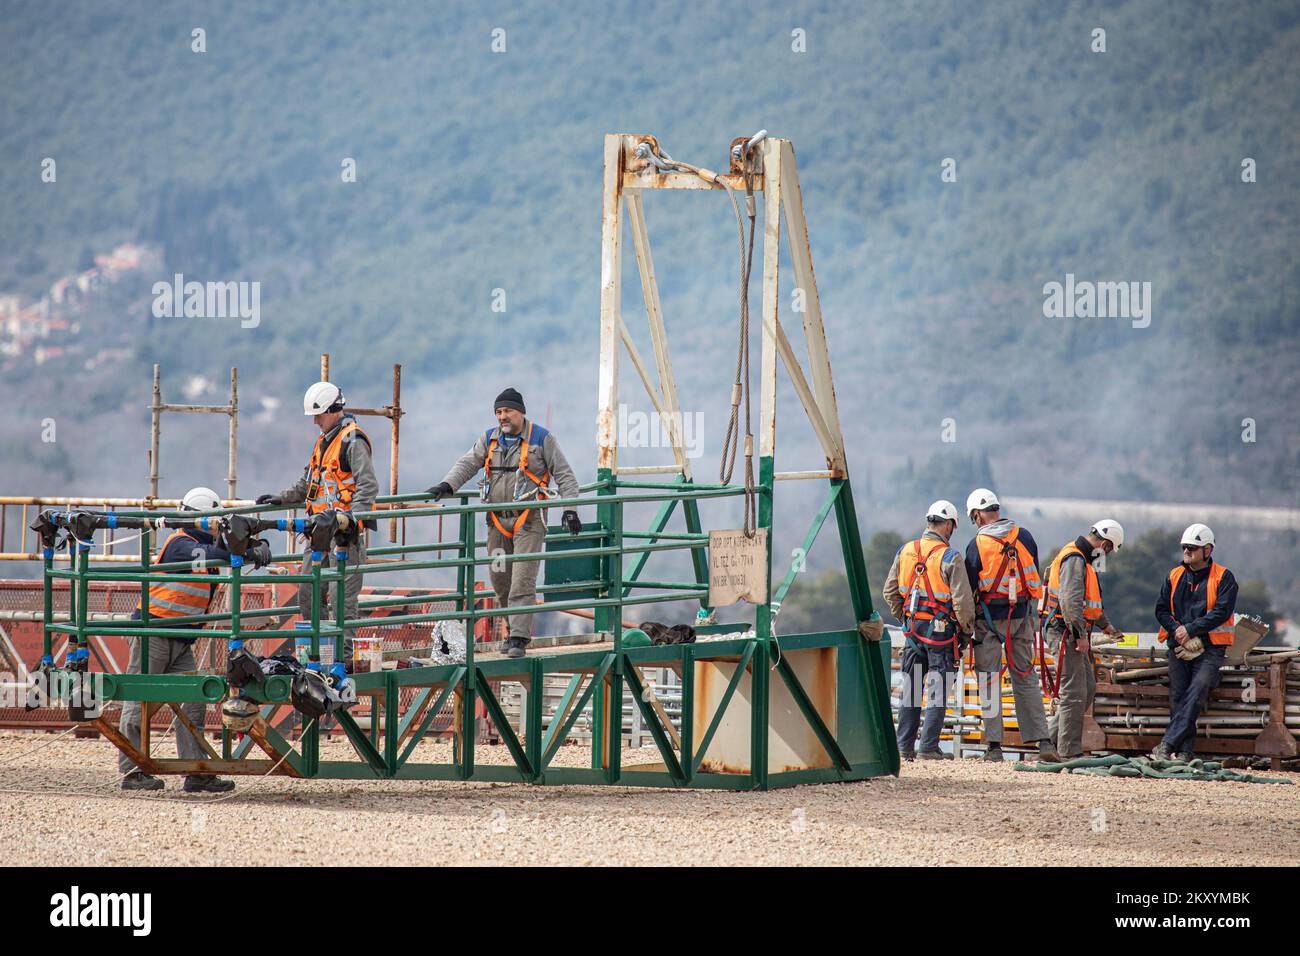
(811, 715)
(652, 721)
(722, 707)
(562, 708)
(508, 736)
(808, 540)
(659, 522)
(429, 716)
(558, 738)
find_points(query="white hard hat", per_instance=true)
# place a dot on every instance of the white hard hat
(1111, 530)
(201, 499)
(981, 499)
(941, 510)
(1198, 534)
(322, 397)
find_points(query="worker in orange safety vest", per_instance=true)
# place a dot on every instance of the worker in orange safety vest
(1002, 563)
(1195, 607)
(928, 591)
(340, 476)
(1072, 607)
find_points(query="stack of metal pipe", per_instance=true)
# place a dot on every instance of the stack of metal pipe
(1242, 706)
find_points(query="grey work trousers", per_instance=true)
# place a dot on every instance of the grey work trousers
(515, 582)
(1027, 690)
(1078, 688)
(166, 656)
(351, 590)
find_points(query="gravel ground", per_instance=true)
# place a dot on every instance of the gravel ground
(966, 813)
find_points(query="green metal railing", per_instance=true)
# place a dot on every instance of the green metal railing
(598, 675)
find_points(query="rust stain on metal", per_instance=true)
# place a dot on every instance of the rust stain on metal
(704, 677)
(605, 429)
(715, 766)
(823, 689)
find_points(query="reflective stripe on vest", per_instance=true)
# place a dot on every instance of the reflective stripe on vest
(177, 598)
(1225, 632)
(924, 575)
(1091, 587)
(998, 568)
(540, 483)
(329, 486)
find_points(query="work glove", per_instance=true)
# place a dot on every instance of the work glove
(270, 500)
(439, 491)
(1190, 649)
(872, 629)
(570, 520)
(260, 553)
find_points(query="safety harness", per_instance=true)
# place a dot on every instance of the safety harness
(541, 483)
(329, 484)
(1010, 552)
(929, 603)
(1050, 612)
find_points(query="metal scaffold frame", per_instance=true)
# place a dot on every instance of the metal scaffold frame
(757, 710)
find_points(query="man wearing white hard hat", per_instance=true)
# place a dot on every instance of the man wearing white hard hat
(175, 655)
(1072, 607)
(1196, 607)
(340, 476)
(928, 591)
(1002, 563)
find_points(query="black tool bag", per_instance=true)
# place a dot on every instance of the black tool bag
(243, 668)
(310, 694)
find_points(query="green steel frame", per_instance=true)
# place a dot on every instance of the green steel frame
(862, 746)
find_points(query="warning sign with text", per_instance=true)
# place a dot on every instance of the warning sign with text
(737, 567)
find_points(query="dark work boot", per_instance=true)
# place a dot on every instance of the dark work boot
(515, 647)
(1047, 752)
(1162, 752)
(994, 753)
(908, 755)
(206, 783)
(139, 780)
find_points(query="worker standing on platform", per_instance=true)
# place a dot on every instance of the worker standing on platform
(1196, 606)
(1071, 609)
(1002, 564)
(339, 477)
(175, 655)
(928, 591)
(518, 458)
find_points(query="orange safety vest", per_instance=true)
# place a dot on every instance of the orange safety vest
(329, 486)
(1007, 565)
(177, 598)
(926, 596)
(1225, 632)
(920, 580)
(1091, 588)
(541, 482)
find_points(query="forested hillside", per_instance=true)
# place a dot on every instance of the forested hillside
(479, 170)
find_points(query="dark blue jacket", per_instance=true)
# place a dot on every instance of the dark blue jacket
(183, 549)
(1190, 599)
(998, 605)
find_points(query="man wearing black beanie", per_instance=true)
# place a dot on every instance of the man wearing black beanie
(519, 459)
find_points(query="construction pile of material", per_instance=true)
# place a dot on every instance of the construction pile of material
(1255, 710)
